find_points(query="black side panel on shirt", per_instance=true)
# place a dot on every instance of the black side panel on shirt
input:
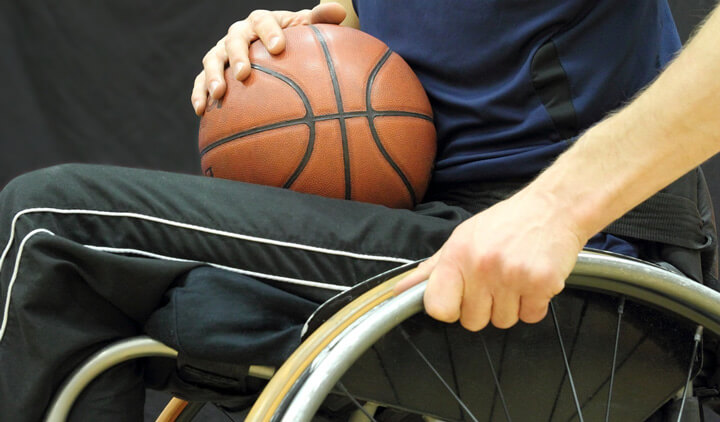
(553, 87)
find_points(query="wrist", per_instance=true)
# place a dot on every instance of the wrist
(551, 203)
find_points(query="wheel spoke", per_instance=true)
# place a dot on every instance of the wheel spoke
(495, 377)
(697, 338)
(352, 398)
(621, 310)
(462, 404)
(567, 363)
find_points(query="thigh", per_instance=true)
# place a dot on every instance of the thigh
(111, 241)
(307, 244)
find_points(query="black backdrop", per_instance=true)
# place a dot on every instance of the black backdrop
(106, 81)
(109, 81)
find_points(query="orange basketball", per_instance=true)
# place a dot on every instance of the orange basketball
(336, 114)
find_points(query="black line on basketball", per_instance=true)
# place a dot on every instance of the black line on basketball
(371, 123)
(309, 118)
(253, 131)
(377, 113)
(306, 121)
(341, 111)
(364, 113)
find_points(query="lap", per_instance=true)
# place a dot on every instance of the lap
(305, 243)
(114, 240)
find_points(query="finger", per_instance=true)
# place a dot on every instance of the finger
(267, 28)
(505, 308)
(214, 67)
(237, 43)
(420, 274)
(533, 309)
(476, 309)
(328, 13)
(444, 292)
(198, 98)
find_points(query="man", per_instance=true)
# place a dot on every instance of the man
(92, 251)
(505, 264)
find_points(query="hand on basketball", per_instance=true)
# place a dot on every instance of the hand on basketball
(501, 265)
(232, 49)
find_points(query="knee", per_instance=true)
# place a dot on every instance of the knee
(40, 188)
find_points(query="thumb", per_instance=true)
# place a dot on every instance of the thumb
(418, 275)
(328, 13)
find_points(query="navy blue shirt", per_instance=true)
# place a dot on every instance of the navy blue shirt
(512, 82)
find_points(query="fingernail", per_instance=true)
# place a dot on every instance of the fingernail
(239, 68)
(273, 42)
(213, 86)
(196, 105)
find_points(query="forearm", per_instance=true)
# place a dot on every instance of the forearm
(670, 128)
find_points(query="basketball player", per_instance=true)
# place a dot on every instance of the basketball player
(506, 263)
(97, 253)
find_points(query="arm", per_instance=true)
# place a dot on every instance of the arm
(232, 49)
(507, 262)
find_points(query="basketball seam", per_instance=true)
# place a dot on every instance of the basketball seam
(373, 130)
(302, 120)
(340, 109)
(308, 120)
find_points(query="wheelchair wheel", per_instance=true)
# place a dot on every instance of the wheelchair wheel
(622, 340)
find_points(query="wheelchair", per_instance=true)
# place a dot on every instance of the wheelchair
(624, 339)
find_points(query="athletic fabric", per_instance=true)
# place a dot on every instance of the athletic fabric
(93, 254)
(513, 83)
(89, 253)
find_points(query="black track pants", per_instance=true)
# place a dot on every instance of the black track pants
(88, 253)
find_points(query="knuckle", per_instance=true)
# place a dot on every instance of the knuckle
(544, 280)
(441, 313)
(236, 26)
(238, 31)
(209, 57)
(219, 52)
(470, 326)
(489, 259)
(256, 16)
(533, 281)
(557, 287)
(532, 317)
(503, 322)
(545, 272)
(300, 17)
(473, 324)
(515, 269)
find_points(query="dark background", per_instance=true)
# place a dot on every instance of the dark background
(106, 81)
(109, 81)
